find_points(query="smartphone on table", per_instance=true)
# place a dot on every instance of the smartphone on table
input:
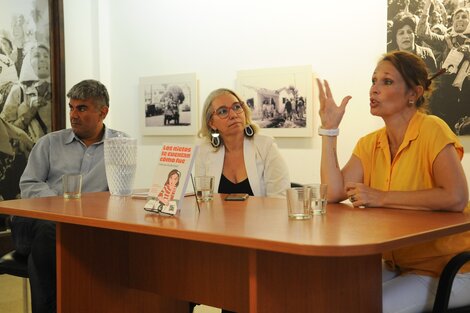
(236, 197)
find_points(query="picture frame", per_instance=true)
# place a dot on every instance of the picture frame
(56, 31)
(33, 73)
(168, 105)
(281, 99)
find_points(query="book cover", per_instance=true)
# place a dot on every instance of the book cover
(171, 178)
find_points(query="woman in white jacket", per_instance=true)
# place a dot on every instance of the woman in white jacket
(241, 160)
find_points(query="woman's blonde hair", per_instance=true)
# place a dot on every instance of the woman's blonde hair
(208, 111)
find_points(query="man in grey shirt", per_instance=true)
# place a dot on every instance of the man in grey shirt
(75, 150)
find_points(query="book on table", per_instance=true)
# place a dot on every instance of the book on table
(171, 177)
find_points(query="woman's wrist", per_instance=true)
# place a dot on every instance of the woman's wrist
(330, 132)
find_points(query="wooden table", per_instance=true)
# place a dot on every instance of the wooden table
(242, 256)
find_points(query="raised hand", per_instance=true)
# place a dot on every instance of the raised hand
(427, 6)
(330, 114)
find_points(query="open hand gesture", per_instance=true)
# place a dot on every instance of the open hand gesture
(330, 114)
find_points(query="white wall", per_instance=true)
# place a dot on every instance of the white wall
(118, 41)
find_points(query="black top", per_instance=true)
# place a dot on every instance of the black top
(226, 186)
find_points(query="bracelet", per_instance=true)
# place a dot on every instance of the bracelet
(328, 132)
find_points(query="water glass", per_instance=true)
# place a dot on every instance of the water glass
(319, 194)
(299, 203)
(72, 186)
(204, 186)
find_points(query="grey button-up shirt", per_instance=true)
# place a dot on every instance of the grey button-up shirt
(59, 153)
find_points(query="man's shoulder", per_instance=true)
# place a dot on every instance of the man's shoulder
(111, 133)
(55, 135)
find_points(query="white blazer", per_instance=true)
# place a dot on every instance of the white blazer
(267, 171)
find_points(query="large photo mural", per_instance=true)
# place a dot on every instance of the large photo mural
(439, 32)
(25, 86)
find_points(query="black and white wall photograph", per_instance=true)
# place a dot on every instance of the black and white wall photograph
(168, 104)
(280, 99)
(439, 32)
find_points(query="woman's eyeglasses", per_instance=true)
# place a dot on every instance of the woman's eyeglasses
(223, 111)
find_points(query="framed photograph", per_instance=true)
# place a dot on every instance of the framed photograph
(32, 82)
(168, 105)
(281, 99)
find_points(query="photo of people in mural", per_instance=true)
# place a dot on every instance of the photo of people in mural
(439, 32)
(25, 87)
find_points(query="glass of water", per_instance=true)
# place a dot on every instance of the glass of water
(204, 188)
(319, 194)
(299, 201)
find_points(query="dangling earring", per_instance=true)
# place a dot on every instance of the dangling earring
(249, 131)
(215, 140)
(411, 102)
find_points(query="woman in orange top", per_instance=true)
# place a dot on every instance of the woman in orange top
(411, 163)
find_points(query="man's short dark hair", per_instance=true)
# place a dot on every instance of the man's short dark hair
(90, 89)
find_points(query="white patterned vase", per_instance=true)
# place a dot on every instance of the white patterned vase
(120, 158)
